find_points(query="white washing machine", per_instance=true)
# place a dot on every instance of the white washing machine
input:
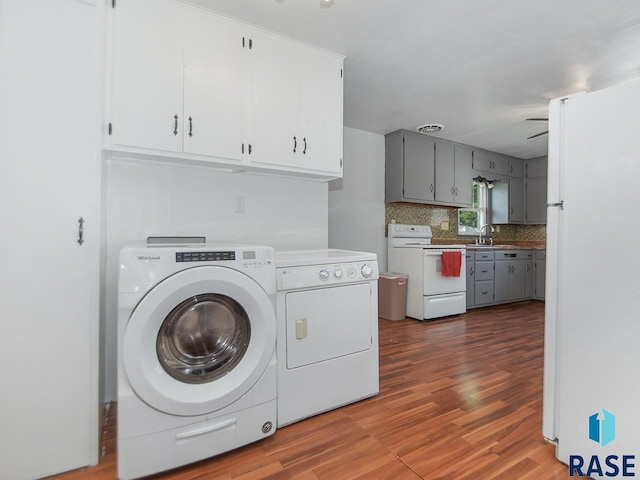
(196, 353)
(327, 315)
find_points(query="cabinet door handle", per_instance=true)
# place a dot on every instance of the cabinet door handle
(175, 124)
(80, 231)
(452, 191)
(304, 151)
(295, 144)
(190, 127)
(431, 188)
(456, 191)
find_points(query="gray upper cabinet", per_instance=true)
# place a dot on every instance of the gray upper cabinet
(490, 162)
(536, 190)
(419, 168)
(410, 167)
(423, 169)
(516, 168)
(507, 196)
(453, 174)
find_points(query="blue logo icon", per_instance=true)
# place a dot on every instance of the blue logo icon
(602, 427)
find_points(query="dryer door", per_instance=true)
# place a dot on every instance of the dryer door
(199, 340)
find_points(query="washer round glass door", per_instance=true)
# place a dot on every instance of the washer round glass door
(203, 338)
(199, 340)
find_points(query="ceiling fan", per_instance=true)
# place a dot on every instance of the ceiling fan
(541, 133)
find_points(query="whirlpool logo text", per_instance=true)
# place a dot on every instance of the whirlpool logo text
(602, 430)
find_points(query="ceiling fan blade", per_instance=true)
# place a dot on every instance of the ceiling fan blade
(537, 135)
(538, 119)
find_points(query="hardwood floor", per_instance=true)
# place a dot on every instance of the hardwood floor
(460, 398)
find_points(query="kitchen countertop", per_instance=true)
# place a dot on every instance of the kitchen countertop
(506, 245)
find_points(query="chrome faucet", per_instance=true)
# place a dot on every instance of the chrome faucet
(480, 239)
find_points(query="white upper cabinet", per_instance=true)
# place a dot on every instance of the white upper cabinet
(214, 100)
(321, 110)
(274, 100)
(146, 94)
(296, 106)
(193, 85)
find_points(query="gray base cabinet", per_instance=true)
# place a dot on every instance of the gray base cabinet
(470, 279)
(529, 274)
(503, 276)
(540, 271)
(483, 277)
(483, 293)
(510, 275)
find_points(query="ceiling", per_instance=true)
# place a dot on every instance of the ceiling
(479, 67)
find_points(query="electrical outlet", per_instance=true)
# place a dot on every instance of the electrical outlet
(240, 205)
(444, 225)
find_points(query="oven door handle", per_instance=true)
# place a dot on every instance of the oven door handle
(438, 254)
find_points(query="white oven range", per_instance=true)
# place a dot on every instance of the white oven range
(429, 293)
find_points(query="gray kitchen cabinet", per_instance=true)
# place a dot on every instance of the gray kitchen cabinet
(484, 270)
(470, 279)
(535, 184)
(453, 173)
(410, 167)
(507, 196)
(483, 286)
(516, 167)
(483, 293)
(423, 169)
(529, 274)
(510, 275)
(490, 162)
(516, 200)
(540, 270)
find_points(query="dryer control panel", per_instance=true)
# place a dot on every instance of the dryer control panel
(325, 275)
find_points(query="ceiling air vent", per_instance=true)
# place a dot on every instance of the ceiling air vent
(429, 128)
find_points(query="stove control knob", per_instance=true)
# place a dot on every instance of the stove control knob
(324, 274)
(351, 272)
(338, 274)
(366, 270)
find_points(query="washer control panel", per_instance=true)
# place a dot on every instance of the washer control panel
(320, 275)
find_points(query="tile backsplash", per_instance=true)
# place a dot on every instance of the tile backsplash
(437, 217)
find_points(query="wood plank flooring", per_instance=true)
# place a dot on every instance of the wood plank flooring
(460, 398)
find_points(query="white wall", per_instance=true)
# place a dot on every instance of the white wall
(145, 198)
(356, 202)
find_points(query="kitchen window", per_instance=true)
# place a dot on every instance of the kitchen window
(471, 219)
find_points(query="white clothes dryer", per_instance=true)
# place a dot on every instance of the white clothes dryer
(327, 317)
(196, 353)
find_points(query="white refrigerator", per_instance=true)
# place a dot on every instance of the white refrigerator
(591, 404)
